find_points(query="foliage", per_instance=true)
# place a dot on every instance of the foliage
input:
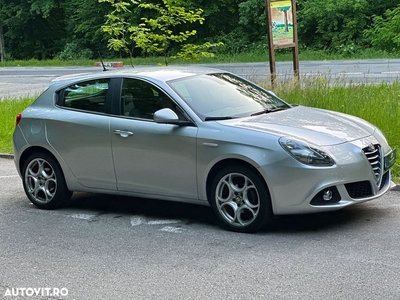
(385, 31)
(333, 24)
(338, 25)
(117, 27)
(252, 20)
(43, 29)
(197, 52)
(73, 51)
(221, 17)
(155, 34)
(24, 24)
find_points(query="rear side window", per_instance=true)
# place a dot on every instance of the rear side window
(88, 95)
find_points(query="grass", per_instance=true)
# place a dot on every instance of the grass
(257, 56)
(9, 108)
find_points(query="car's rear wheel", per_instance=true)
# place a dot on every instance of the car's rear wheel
(44, 182)
(240, 199)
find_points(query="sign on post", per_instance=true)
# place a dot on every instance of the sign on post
(282, 32)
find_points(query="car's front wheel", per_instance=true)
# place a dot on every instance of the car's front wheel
(240, 199)
(44, 182)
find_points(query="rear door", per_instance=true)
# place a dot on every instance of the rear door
(79, 129)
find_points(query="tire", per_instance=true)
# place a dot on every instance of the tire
(44, 182)
(240, 199)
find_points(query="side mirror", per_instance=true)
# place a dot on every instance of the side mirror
(166, 116)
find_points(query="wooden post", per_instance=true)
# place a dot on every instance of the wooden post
(296, 65)
(271, 50)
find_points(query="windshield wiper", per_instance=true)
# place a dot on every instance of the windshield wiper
(269, 110)
(217, 118)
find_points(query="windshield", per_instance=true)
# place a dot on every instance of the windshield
(223, 96)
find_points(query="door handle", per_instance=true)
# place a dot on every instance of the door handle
(123, 133)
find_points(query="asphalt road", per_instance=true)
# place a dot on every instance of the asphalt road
(107, 247)
(23, 81)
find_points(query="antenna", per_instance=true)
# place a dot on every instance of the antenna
(102, 63)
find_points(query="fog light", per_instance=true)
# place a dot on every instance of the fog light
(327, 196)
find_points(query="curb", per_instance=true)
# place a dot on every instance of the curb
(6, 156)
(393, 186)
(118, 64)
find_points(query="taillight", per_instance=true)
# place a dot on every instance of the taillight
(18, 119)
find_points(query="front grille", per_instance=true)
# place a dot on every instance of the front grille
(374, 156)
(357, 190)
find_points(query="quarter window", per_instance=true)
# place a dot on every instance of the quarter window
(88, 95)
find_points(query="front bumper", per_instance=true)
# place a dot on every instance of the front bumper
(357, 177)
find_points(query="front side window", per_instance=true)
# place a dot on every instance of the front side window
(141, 99)
(88, 95)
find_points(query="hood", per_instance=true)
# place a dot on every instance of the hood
(321, 127)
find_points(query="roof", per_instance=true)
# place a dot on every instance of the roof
(165, 73)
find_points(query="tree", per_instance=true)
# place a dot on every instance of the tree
(334, 25)
(155, 34)
(338, 25)
(285, 9)
(118, 27)
(221, 17)
(84, 22)
(252, 19)
(33, 29)
(384, 34)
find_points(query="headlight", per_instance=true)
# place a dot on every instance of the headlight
(306, 154)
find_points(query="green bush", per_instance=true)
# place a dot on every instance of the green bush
(74, 51)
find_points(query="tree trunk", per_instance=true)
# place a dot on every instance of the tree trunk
(286, 21)
(2, 47)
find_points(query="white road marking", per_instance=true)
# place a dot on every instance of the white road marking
(141, 220)
(137, 220)
(171, 229)
(9, 176)
(83, 216)
(163, 222)
(351, 73)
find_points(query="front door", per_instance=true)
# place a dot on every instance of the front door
(151, 158)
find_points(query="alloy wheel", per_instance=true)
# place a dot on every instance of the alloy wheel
(237, 199)
(40, 180)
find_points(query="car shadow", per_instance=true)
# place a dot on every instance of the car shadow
(150, 208)
(348, 217)
(197, 214)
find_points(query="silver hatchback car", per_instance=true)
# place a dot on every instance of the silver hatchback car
(196, 135)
